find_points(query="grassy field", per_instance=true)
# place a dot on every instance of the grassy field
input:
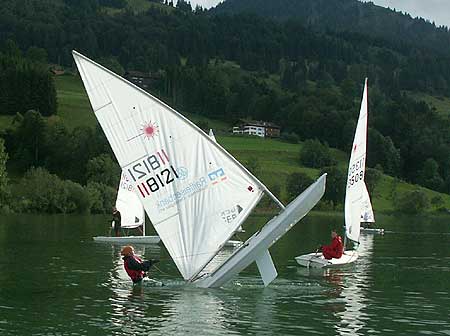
(74, 108)
(442, 104)
(277, 159)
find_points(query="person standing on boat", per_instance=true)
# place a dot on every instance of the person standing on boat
(335, 249)
(117, 220)
(135, 266)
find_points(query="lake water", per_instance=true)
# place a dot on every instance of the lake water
(54, 280)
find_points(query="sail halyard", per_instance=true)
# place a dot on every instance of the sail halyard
(356, 173)
(177, 208)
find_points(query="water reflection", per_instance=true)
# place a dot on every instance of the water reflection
(347, 289)
(354, 286)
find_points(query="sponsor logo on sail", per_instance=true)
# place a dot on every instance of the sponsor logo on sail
(217, 176)
(230, 215)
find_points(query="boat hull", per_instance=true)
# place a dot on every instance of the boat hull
(372, 230)
(316, 260)
(234, 243)
(258, 244)
(128, 239)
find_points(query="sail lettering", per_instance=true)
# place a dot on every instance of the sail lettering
(356, 172)
(158, 181)
(148, 165)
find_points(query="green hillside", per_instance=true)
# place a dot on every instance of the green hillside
(440, 103)
(275, 159)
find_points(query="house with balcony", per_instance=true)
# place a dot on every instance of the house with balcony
(262, 129)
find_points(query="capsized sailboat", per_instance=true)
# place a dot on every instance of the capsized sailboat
(354, 196)
(132, 213)
(195, 193)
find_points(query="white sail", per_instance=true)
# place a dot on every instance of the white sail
(367, 215)
(356, 173)
(129, 204)
(211, 135)
(194, 192)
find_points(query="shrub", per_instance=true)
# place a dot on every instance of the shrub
(412, 202)
(314, 154)
(290, 137)
(336, 184)
(101, 196)
(40, 191)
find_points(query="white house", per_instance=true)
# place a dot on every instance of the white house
(258, 128)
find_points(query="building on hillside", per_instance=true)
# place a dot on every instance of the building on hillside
(262, 129)
(57, 70)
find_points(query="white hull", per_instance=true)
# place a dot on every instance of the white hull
(372, 230)
(128, 239)
(257, 245)
(317, 260)
(234, 243)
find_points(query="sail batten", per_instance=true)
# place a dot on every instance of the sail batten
(356, 174)
(194, 191)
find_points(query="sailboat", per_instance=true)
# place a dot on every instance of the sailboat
(132, 216)
(354, 196)
(195, 193)
(367, 216)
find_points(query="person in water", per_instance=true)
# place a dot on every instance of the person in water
(135, 266)
(117, 219)
(335, 249)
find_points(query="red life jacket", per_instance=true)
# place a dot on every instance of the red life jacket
(334, 250)
(136, 276)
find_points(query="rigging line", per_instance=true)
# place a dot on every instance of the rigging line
(184, 257)
(162, 272)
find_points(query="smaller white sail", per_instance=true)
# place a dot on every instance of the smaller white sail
(356, 173)
(129, 204)
(211, 135)
(367, 215)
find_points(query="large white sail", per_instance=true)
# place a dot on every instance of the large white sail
(367, 215)
(194, 192)
(129, 204)
(356, 173)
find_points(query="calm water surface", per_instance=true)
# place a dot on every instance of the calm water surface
(54, 280)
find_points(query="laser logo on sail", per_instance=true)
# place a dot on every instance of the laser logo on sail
(150, 130)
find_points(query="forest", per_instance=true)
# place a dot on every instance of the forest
(224, 65)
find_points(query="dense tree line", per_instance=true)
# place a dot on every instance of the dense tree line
(349, 16)
(25, 83)
(63, 170)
